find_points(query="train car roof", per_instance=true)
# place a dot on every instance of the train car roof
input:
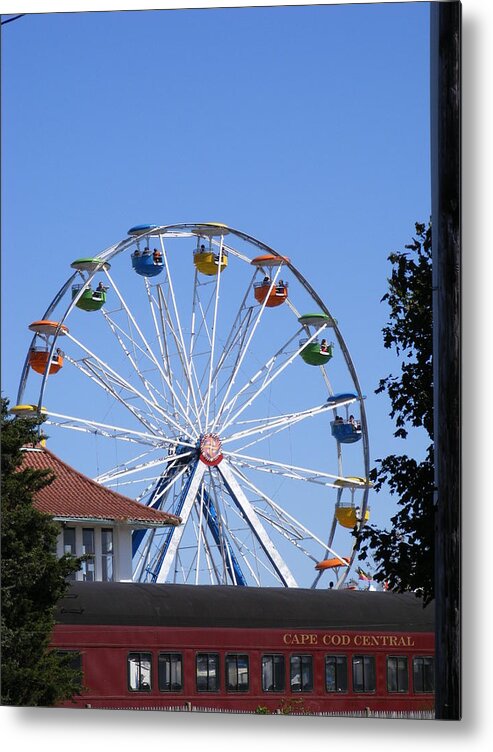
(136, 604)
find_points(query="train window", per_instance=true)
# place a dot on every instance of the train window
(273, 673)
(364, 676)
(301, 673)
(336, 673)
(237, 673)
(423, 673)
(397, 674)
(207, 672)
(139, 672)
(170, 672)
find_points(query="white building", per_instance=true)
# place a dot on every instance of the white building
(94, 520)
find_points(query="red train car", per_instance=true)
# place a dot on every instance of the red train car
(248, 649)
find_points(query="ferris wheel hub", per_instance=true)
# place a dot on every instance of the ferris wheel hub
(210, 449)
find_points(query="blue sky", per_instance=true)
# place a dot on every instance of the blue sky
(306, 127)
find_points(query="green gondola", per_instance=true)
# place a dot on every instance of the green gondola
(90, 300)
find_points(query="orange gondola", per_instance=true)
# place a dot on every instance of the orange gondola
(332, 563)
(39, 355)
(263, 293)
(38, 360)
(272, 297)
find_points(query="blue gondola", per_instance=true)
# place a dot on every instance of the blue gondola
(345, 432)
(147, 263)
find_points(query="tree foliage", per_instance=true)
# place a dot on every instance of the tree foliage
(405, 554)
(33, 579)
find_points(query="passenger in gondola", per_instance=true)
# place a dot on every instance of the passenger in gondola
(147, 252)
(266, 281)
(100, 288)
(157, 256)
(352, 421)
(280, 286)
(324, 348)
(136, 253)
(202, 248)
(339, 419)
(216, 257)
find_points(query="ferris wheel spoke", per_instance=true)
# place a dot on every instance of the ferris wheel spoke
(209, 329)
(277, 422)
(148, 386)
(192, 341)
(200, 534)
(244, 313)
(244, 549)
(190, 392)
(120, 334)
(269, 427)
(175, 535)
(290, 471)
(214, 334)
(233, 342)
(159, 331)
(221, 529)
(179, 338)
(118, 433)
(105, 374)
(290, 527)
(243, 352)
(123, 471)
(158, 499)
(115, 385)
(203, 543)
(169, 497)
(150, 353)
(266, 382)
(251, 516)
(168, 324)
(236, 336)
(264, 372)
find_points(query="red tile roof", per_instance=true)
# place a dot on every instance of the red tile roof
(73, 495)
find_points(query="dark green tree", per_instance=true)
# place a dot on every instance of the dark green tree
(33, 579)
(404, 555)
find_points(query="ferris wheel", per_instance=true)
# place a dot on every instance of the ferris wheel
(211, 382)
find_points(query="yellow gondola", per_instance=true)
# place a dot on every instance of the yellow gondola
(348, 515)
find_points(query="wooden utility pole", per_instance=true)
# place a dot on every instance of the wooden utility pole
(446, 256)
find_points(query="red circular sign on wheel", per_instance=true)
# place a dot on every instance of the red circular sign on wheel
(210, 449)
